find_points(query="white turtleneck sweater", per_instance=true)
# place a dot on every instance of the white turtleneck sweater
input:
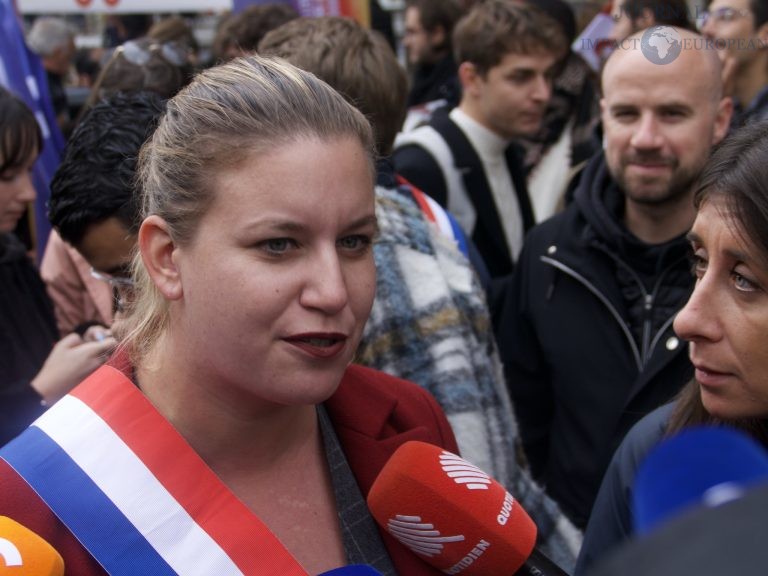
(490, 147)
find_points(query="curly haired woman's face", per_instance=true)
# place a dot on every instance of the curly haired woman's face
(726, 318)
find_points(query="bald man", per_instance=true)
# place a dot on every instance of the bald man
(586, 327)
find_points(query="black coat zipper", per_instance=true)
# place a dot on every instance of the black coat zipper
(643, 355)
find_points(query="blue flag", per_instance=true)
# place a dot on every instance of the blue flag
(23, 74)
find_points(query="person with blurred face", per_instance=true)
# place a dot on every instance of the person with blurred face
(467, 159)
(586, 333)
(53, 40)
(631, 16)
(739, 30)
(725, 322)
(427, 42)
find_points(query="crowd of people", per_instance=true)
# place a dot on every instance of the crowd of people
(270, 270)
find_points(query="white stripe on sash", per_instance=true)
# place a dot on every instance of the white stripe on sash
(130, 485)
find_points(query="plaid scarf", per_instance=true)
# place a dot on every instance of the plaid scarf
(430, 324)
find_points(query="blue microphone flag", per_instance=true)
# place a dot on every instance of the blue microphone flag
(699, 466)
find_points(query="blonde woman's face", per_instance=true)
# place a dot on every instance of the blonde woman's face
(279, 279)
(726, 318)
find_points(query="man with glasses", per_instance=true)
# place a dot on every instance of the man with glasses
(95, 210)
(739, 29)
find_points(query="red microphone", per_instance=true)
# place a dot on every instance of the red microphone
(26, 552)
(455, 516)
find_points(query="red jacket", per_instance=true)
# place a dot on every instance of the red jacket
(373, 414)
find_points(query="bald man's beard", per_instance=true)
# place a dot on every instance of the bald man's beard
(666, 187)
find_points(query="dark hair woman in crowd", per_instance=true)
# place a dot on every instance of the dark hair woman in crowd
(36, 368)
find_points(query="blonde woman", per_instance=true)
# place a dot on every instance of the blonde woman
(230, 434)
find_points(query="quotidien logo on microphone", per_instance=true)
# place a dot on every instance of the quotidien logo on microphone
(464, 473)
(421, 537)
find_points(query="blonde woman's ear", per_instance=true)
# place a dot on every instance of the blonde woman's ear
(157, 252)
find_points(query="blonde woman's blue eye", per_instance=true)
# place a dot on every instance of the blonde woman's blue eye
(277, 245)
(355, 242)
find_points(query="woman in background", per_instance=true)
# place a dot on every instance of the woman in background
(143, 64)
(36, 368)
(725, 321)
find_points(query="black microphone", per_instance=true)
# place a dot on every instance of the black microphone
(537, 564)
(455, 516)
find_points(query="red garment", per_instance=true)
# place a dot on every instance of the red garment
(372, 413)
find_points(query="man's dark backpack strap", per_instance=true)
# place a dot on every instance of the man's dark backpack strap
(488, 235)
(514, 157)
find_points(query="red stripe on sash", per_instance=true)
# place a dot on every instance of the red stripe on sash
(418, 195)
(239, 532)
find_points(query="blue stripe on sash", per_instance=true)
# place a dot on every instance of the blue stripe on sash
(81, 505)
(458, 234)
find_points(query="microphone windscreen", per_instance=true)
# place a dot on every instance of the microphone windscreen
(353, 570)
(26, 552)
(699, 466)
(450, 513)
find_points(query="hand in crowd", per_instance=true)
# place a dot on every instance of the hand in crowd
(97, 333)
(71, 360)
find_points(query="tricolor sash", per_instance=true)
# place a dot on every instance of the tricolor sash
(438, 215)
(134, 493)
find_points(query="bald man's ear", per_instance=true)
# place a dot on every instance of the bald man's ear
(723, 119)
